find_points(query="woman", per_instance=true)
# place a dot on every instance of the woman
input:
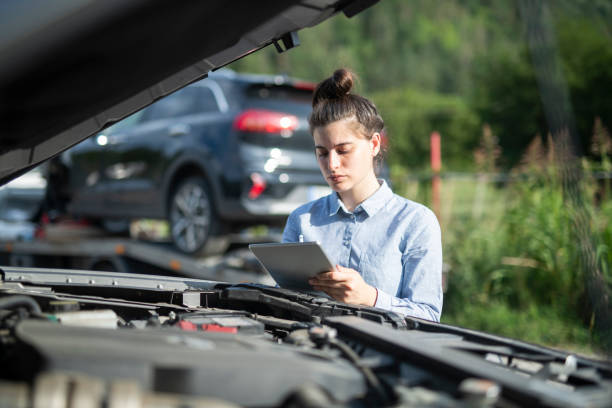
(387, 248)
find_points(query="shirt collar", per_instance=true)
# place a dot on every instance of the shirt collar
(371, 205)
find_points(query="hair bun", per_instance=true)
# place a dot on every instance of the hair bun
(334, 87)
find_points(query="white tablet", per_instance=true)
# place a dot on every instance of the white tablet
(292, 264)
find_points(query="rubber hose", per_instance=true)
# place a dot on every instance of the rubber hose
(13, 301)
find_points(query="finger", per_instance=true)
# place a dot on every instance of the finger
(341, 268)
(330, 284)
(323, 276)
(332, 276)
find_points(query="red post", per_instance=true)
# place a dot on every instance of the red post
(436, 166)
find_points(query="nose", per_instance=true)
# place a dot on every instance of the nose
(333, 161)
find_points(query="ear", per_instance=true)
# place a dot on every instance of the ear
(375, 142)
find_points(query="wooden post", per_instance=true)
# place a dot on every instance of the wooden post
(436, 166)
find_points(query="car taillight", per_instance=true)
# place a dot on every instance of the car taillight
(258, 187)
(306, 86)
(265, 121)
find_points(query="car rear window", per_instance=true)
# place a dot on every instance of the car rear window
(279, 98)
(183, 102)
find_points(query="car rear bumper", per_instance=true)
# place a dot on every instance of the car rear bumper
(267, 207)
(299, 195)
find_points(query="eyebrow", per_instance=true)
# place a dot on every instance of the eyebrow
(339, 144)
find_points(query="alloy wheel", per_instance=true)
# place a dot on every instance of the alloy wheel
(190, 216)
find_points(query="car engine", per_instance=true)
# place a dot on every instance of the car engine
(103, 339)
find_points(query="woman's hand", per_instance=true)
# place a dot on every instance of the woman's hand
(345, 285)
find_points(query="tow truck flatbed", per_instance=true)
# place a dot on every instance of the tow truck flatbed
(122, 255)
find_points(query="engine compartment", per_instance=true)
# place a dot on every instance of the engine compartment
(159, 341)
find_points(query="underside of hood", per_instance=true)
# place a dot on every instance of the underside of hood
(73, 68)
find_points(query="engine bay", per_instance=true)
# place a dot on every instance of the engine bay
(103, 339)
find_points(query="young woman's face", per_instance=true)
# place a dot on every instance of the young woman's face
(345, 156)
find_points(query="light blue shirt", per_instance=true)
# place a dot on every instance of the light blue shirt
(394, 243)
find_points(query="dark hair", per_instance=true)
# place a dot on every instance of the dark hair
(332, 101)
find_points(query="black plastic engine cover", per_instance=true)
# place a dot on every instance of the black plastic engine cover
(246, 370)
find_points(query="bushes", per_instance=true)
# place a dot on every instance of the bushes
(507, 95)
(410, 116)
(519, 271)
(535, 324)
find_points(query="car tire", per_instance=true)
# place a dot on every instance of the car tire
(194, 226)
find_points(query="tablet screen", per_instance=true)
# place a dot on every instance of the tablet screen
(292, 264)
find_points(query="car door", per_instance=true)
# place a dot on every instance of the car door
(87, 161)
(137, 158)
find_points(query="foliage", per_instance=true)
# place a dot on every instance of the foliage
(586, 53)
(397, 42)
(523, 263)
(510, 102)
(423, 112)
(488, 152)
(535, 324)
(510, 98)
(473, 53)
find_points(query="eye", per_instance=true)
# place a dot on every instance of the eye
(321, 153)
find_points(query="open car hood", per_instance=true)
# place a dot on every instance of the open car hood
(71, 69)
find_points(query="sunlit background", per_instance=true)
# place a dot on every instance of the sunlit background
(522, 99)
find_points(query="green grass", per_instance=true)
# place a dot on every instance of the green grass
(539, 325)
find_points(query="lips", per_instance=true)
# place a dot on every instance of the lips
(336, 178)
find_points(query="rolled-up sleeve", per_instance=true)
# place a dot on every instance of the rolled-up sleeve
(420, 292)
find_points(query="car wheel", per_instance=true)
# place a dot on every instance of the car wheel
(192, 220)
